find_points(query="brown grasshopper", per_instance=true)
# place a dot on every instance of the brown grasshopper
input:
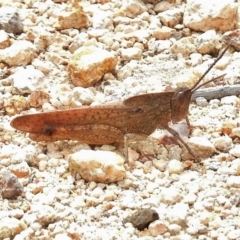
(111, 123)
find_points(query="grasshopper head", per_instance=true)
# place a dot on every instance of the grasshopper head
(182, 96)
(180, 104)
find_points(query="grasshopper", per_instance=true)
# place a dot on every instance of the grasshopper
(111, 123)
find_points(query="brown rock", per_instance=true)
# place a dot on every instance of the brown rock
(152, 1)
(163, 33)
(201, 146)
(20, 170)
(10, 20)
(75, 18)
(171, 17)
(162, 6)
(15, 105)
(205, 15)
(4, 40)
(142, 218)
(157, 228)
(38, 98)
(59, 1)
(233, 38)
(208, 42)
(133, 8)
(11, 187)
(89, 64)
(103, 1)
(10, 227)
(185, 46)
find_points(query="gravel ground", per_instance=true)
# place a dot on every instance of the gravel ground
(60, 55)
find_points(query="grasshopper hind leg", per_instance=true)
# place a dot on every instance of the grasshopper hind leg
(132, 137)
(177, 136)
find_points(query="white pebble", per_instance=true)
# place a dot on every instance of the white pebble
(170, 195)
(97, 192)
(229, 100)
(234, 234)
(233, 181)
(175, 166)
(42, 165)
(201, 102)
(235, 151)
(190, 198)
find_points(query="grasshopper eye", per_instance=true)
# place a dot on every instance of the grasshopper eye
(181, 97)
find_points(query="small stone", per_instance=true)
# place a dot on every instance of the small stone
(98, 166)
(32, 81)
(223, 143)
(185, 46)
(43, 66)
(175, 167)
(131, 53)
(178, 214)
(232, 38)
(10, 186)
(81, 95)
(163, 33)
(157, 228)
(202, 15)
(59, 1)
(201, 101)
(234, 234)
(233, 181)
(10, 227)
(174, 228)
(160, 164)
(10, 21)
(4, 40)
(236, 131)
(162, 6)
(229, 100)
(190, 198)
(140, 35)
(142, 218)
(208, 42)
(152, 1)
(20, 53)
(200, 146)
(38, 98)
(101, 21)
(196, 59)
(89, 64)
(61, 236)
(133, 8)
(72, 19)
(42, 166)
(20, 170)
(170, 195)
(15, 105)
(103, 1)
(223, 63)
(159, 45)
(206, 217)
(171, 17)
(235, 151)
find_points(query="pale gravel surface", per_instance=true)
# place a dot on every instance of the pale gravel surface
(197, 203)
